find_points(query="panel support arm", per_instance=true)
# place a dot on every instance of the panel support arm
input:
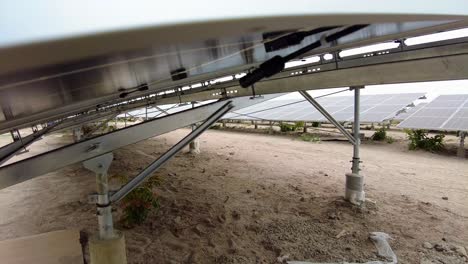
(329, 117)
(148, 171)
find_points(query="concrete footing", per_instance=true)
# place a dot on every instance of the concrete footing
(108, 251)
(355, 188)
(77, 134)
(195, 147)
(461, 148)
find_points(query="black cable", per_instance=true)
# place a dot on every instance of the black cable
(277, 63)
(294, 38)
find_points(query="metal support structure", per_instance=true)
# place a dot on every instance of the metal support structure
(8, 151)
(461, 153)
(77, 133)
(194, 146)
(32, 167)
(146, 113)
(161, 110)
(356, 129)
(328, 116)
(354, 192)
(148, 171)
(100, 165)
(101, 125)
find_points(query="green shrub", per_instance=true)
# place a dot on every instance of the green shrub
(390, 140)
(139, 203)
(285, 127)
(216, 126)
(419, 140)
(299, 124)
(315, 124)
(379, 135)
(310, 138)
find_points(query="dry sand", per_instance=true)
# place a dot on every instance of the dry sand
(251, 198)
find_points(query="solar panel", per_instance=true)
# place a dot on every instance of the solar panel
(408, 112)
(446, 112)
(174, 108)
(374, 108)
(59, 70)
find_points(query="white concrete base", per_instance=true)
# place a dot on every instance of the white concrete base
(354, 192)
(195, 147)
(109, 251)
(77, 134)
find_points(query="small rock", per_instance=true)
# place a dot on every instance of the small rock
(177, 220)
(460, 250)
(332, 216)
(211, 243)
(193, 258)
(235, 215)
(282, 259)
(222, 218)
(233, 248)
(203, 170)
(172, 174)
(198, 230)
(209, 222)
(441, 247)
(325, 174)
(444, 198)
(248, 191)
(232, 153)
(426, 261)
(302, 199)
(341, 234)
(427, 245)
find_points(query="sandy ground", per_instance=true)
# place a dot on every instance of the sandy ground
(251, 198)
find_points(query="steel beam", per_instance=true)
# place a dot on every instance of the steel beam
(100, 165)
(8, 151)
(354, 191)
(50, 161)
(329, 117)
(356, 129)
(148, 171)
(101, 125)
(441, 63)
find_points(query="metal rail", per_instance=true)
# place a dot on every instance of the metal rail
(55, 159)
(148, 171)
(9, 150)
(329, 117)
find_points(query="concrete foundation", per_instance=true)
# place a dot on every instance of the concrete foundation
(461, 148)
(77, 134)
(195, 147)
(354, 192)
(108, 251)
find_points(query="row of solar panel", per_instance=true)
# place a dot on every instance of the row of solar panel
(446, 112)
(374, 108)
